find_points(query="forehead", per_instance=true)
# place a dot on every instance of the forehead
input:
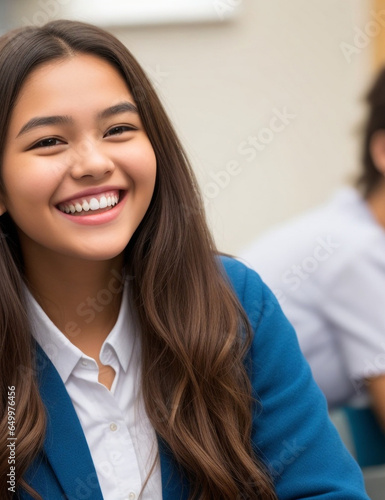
(78, 82)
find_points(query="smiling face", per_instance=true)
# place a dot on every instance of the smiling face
(78, 168)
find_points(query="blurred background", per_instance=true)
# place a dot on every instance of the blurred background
(266, 96)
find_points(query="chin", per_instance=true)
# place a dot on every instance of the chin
(96, 255)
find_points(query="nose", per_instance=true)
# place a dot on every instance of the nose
(89, 160)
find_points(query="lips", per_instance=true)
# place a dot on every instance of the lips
(92, 203)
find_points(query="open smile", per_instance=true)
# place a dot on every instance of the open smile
(90, 205)
(95, 209)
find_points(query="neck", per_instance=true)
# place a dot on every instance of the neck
(376, 203)
(82, 298)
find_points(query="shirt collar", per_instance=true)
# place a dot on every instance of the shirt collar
(124, 334)
(65, 355)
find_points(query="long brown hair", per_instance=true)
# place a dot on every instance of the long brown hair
(194, 332)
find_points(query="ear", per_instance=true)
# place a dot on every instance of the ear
(377, 150)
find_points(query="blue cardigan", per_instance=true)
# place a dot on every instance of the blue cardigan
(292, 434)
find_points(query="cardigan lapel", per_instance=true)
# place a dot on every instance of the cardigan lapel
(65, 444)
(67, 450)
(174, 483)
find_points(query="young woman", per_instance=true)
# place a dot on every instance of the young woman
(135, 362)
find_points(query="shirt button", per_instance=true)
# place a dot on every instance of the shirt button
(131, 496)
(114, 427)
(84, 362)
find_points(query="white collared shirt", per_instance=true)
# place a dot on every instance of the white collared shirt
(120, 437)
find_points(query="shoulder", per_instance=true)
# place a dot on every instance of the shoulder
(238, 273)
(342, 218)
(243, 279)
(254, 295)
(339, 232)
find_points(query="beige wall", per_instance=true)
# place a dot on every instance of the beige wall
(225, 83)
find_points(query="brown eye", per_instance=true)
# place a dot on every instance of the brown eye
(47, 143)
(119, 130)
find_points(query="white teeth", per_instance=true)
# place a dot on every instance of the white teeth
(94, 204)
(103, 202)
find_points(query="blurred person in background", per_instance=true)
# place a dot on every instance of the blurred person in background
(327, 269)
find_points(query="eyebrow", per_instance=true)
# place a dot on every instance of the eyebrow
(42, 121)
(122, 107)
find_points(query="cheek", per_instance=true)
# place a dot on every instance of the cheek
(25, 190)
(141, 166)
(29, 182)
